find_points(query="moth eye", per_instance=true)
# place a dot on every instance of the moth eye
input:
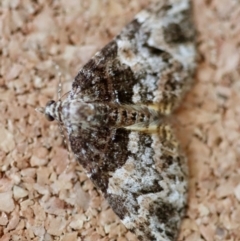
(49, 117)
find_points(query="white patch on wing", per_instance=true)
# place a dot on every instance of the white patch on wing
(175, 189)
(133, 142)
(136, 94)
(142, 16)
(126, 54)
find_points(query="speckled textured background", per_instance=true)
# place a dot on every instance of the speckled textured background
(44, 194)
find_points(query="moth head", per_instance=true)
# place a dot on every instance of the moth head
(48, 110)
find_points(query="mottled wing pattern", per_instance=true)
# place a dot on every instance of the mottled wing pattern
(142, 174)
(100, 152)
(151, 61)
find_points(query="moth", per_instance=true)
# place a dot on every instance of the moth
(116, 118)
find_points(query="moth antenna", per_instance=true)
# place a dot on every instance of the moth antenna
(59, 74)
(60, 95)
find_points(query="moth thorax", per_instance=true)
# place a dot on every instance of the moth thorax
(79, 112)
(70, 112)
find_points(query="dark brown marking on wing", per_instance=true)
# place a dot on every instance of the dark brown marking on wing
(122, 80)
(100, 152)
(118, 205)
(105, 79)
(164, 213)
(92, 78)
